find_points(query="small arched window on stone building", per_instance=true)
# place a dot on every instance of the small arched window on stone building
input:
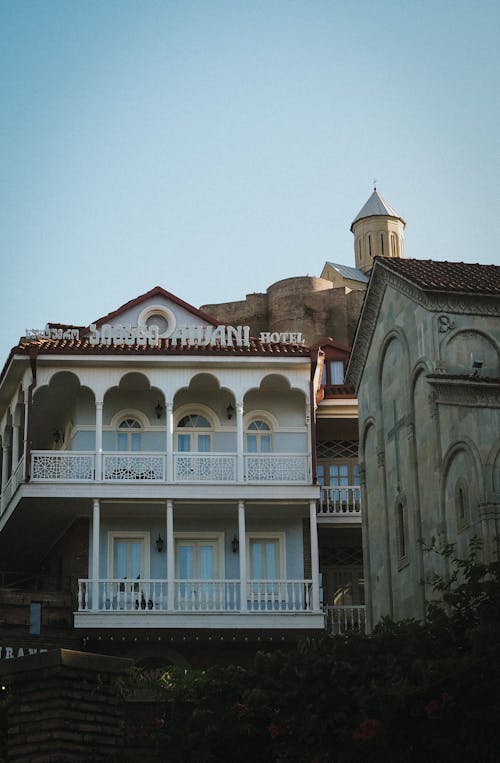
(462, 504)
(402, 532)
(394, 245)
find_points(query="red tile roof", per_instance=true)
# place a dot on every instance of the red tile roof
(165, 347)
(432, 275)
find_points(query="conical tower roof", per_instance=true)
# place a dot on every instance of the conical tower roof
(377, 206)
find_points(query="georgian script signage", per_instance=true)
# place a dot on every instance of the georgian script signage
(52, 333)
(142, 336)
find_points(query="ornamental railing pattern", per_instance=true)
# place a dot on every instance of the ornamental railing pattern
(122, 595)
(276, 468)
(83, 466)
(52, 466)
(147, 467)
(206, 467)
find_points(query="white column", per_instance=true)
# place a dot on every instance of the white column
(314, 556)
(15, 446)
(243, 555)
(98, 440)
(240, 470)
(96, 530)
(25, 433)
(169, 433)
(170, 556)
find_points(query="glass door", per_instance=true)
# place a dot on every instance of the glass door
(129, 565)
(197, 571)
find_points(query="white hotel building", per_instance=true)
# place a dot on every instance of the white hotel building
(158, 487)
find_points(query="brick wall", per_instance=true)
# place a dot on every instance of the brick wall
(64, 707)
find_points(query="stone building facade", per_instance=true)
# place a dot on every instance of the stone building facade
(426, 368)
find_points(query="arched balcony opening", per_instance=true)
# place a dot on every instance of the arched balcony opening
(276, 441)
(205, 432)
(133, 431)
(62, 430)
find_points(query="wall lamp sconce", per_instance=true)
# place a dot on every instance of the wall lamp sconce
(230, 411)
(158, 409)
(58, 436)
(235, 544)
(159, 543)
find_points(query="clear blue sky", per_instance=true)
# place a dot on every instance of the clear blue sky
(216, 147)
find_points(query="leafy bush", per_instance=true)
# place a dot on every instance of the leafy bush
(408, 692)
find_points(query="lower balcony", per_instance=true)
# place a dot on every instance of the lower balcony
(340, 504)
(196, 604)
(340, 619)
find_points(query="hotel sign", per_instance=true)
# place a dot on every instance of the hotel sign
(149, 336)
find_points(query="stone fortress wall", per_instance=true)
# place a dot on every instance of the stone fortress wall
(306, 304)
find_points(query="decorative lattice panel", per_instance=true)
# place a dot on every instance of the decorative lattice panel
(276, 468)
(341, 555)
(63, 466)
(191, 468)
(337, 449)
(133, 466)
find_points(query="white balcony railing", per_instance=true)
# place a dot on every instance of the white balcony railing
(343, 618)
(13, 482)
(206, 467)
(80, 466)
(342, 502)
(115, 595)
(272, 467)
(147, 467)
(68, 466)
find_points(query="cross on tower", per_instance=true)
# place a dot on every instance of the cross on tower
(393, 434)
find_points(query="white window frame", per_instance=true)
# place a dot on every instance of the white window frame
(204, 537)
(116, 535)
(280, 537)
(195, 410)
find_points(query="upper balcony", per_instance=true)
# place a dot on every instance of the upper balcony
(120, 428)
(180, 467)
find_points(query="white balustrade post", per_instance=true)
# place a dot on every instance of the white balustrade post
(240, 469)
(243, 555)
(169, 434)
(170, 556)
(314, 555)
(96, 530)
(98, 440)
